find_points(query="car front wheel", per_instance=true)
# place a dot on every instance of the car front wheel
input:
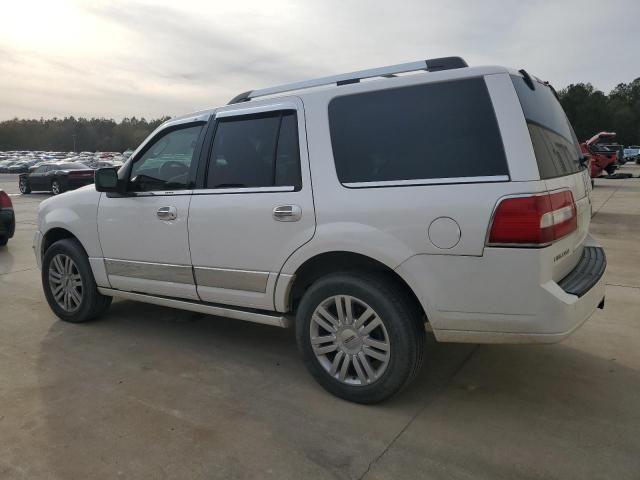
(23, 185)
(68, 283)
(361, 336)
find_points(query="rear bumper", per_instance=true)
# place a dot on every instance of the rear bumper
(7, 223)
(502, 297)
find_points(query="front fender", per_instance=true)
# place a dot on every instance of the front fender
(76, 212)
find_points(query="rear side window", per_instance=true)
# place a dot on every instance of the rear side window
(433, 131)
(256, 151)
(554, 142)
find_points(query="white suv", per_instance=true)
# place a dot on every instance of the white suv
(358, 208)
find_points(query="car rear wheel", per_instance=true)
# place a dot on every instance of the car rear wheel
(68, 283)
(4, 241)
(56, 188)
(361, 336)
(23, 185)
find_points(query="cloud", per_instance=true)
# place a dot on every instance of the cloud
(146, 58)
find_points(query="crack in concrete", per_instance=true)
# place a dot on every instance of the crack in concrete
(373, 462)
(622, 285)
(18, 271)
(605, 202)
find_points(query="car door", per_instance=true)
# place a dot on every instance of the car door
(143, 233)
(255, 204)
(37, 176)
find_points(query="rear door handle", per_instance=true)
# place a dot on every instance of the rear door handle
(167, 213)
(287, 213)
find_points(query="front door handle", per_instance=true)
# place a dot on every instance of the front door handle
(287, 213)
(167, 213)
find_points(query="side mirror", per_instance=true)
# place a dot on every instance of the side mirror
(106, 179)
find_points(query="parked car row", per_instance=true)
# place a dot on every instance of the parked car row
(22, 161)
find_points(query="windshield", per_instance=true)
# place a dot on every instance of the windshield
(554, 142)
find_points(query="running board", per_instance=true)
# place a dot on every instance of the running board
(275, 320)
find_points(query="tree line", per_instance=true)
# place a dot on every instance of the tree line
(590, 111)
(79, 134)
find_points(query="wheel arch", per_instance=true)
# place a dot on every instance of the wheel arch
(55, 234)
(328, 262)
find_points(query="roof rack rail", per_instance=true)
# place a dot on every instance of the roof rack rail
(430, 65)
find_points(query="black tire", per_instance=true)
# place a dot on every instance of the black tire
(56, 187)
(402, 319)
(611, 169)
(23, 186)
(93, 304)
(4, 241)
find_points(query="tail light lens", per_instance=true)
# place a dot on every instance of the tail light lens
(81, 173)
(5, 200)
(535, 220)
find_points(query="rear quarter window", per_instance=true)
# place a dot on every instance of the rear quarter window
(554, 142)
(431, 131)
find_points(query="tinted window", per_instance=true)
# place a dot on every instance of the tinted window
(432, 131)
(72, 166)
(255, 151)
(167, 162)
(554, 142)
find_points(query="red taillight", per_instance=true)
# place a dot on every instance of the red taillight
(535, 220)
(81, 173)
(5, 200)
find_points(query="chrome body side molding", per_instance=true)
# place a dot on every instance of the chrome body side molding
(264, 318)
(150, 271)
(246, 280)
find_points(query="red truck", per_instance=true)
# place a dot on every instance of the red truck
(602, 158)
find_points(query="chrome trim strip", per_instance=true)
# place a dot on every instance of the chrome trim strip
(150, 271)
(264, 318)
(428, 181)
(247, 280)
(162, 193)
(219, 191)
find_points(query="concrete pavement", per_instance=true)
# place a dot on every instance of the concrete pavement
(149, 392)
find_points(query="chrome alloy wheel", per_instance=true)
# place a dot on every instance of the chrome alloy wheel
(22, 185)
(65, 282)
(55, 188)
(349, 340)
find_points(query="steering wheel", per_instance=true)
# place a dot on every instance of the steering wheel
(171, 169)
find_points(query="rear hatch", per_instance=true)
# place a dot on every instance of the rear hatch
(558, 156)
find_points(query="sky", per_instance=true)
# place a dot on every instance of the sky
(150, 58)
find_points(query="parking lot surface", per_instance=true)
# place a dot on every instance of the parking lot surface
(148, 392)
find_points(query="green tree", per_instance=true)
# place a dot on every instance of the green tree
(95, 134)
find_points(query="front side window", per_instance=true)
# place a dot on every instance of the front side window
(420, 132)
(166, 163)
(260, 150)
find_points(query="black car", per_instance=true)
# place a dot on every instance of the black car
(55, 177)
(7, 218)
